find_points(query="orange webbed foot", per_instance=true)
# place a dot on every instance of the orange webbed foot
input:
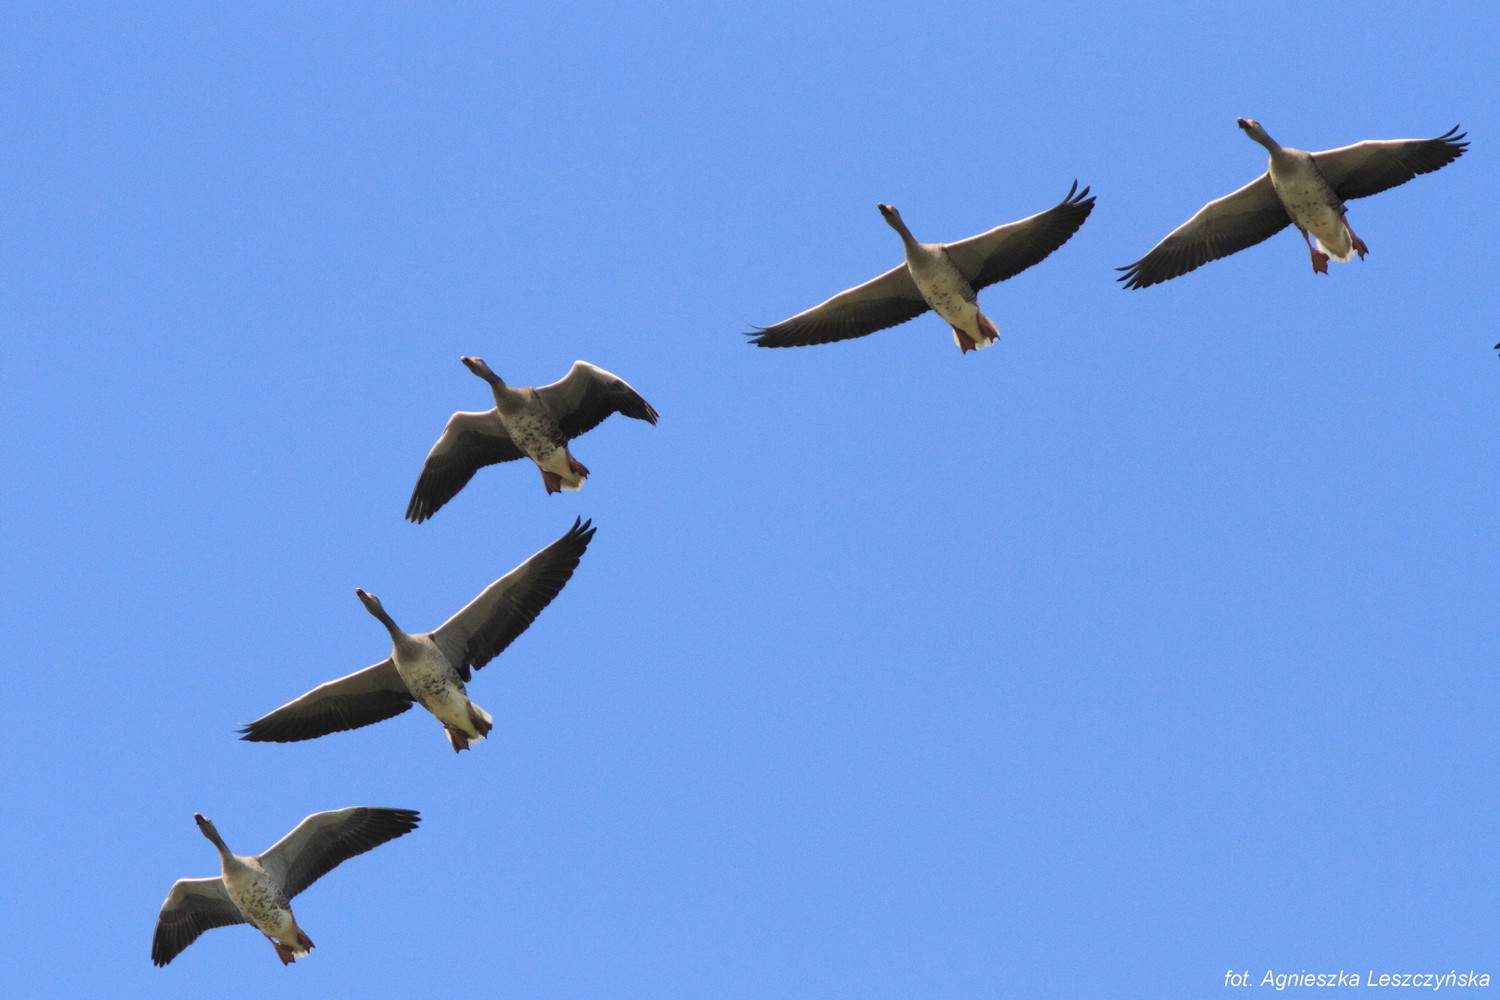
(481, 725)
(459, 740)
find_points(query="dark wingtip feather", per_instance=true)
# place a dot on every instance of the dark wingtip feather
(582, 530)
(576, 539)
(256, 733)
(396, 822)
(417, 510)
(1132, 276)
(759, 337)
(1076, 197)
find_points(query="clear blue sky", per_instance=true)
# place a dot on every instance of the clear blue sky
(1156, 641)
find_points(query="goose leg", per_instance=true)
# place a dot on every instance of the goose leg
(552, 481)
(1359, 244)
(965, 342)
(459, 740)
(1319, 258)
(579, 469)
(287, 953)
(481, 725)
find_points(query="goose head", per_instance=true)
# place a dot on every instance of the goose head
(478, 367)
(893, 217)
(1254, 130)
(207, 827)
(372, 604)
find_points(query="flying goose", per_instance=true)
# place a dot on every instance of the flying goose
(944, 277)
(432, 667)
(1304, 189)
(535, 422)
(258, 889)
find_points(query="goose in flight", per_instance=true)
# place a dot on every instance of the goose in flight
(943, 277)
(1299, 188)
(258, 889)
(432, 667)
(535, 423)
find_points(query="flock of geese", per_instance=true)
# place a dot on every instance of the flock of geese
(1307, 190)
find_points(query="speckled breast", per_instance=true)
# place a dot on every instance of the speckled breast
(261, 901)
(537, 434)
(1310, 202)
(943, 287)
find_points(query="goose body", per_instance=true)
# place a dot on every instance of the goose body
(434, 682)
(431, 669)
(264, 904)
(944, 287)
(526, 422)
(943, 277)
(258, 889)
(1307, 190)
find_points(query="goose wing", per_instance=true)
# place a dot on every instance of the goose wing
(364, 697)
(507, 607)
(1007, 250)
(325, 840)
(1375, 165)
(581, 399)
(193, 906)
(879, 303)
(1220, 228)
(469, 442)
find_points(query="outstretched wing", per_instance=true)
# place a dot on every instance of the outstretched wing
(364, 697)
(469, 442)
(1376, 165)
(193, 906)
(1007, 250)
(507, 607)
(325, 840)
(581, 399)
(1220, 228)
(880, 302)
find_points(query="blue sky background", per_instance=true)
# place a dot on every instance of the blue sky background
(1157, 640)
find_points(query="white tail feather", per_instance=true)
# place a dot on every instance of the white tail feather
(1343, 255)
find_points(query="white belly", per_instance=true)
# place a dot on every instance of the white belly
(952, 306)
(943, 288)
(436, 686)
(262, 903)
(535, 434)
(554, 459)
(948, 293)
(1316, 210)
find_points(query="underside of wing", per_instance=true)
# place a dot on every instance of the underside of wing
(507, 607)
(360, 699)
(1006, 251)
(1376, 165)
(880, 302)
(1220, 228)
(325, 840)
(193, 906)
(581, 399)
(469, 443)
